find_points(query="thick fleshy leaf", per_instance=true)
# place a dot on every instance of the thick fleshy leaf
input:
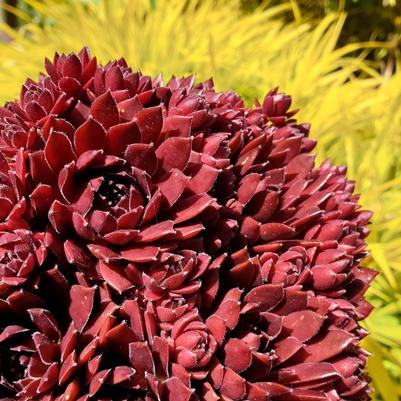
(121, 237)
(157, 231)
(76, 255)
(60, 216)
(45, 322)
(303, 324)
(114, 276)
(332, 344)
(256, 393)
(188, 208)
(286, 348)
(97, 382)
(202, 179)
(149, 122)
(58, 151)
(217, 326)
(142, 156)
(120, 136)
(229, 311)
(243, 274)
(89, 136)
(5, 207)
(177, 391)
(11, 331)
(72, 67)
(172, 186)
(174, 153)
(294, 300)
(81, 305)
(238, 355)
(119, 338)
(129, 108)
(121, 374)
(233, 385)
(104, 253)
(40, 169)
(266, 296)
(130, 219)
(307, 372)
(47, 349)
(140, 254)
(141, 357)
(113, 79)
(41, 198)
(176, 126)
(82, 227)
(275, 231)
(153, 207)
(265, 207)
(300, 164)
(67, 183)
(104, 110)
(103, 222)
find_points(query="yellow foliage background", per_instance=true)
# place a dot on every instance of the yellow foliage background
(354, 110)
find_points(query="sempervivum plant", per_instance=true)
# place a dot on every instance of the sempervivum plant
(167, 242)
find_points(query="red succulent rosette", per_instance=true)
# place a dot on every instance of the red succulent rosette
(21, 255)
(167, 242)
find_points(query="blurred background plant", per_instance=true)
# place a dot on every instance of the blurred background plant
(343, 73)
(367, 19)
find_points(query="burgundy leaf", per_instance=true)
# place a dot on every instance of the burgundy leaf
(174, 153)
(89, 136)
(81, 306)
(104, 110)
(58, 151)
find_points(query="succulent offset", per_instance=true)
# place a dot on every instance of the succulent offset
(168, 242)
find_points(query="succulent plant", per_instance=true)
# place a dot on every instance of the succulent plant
(168, 242)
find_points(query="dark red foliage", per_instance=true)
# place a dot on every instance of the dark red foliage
(167, 242)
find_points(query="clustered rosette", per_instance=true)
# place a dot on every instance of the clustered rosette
(167, 242)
